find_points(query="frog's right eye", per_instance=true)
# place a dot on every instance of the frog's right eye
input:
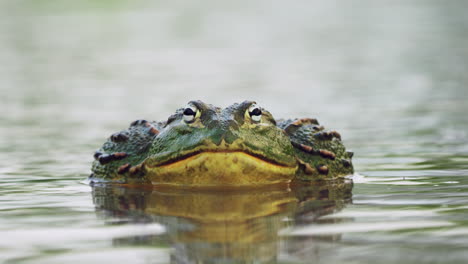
(255, 113)
(190, 112)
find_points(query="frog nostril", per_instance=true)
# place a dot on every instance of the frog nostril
(225, 131)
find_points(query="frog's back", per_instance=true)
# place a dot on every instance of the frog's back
(124, 151)
(320, 152)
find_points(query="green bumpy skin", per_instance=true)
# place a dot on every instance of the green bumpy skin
(312, 152)
(320, 153)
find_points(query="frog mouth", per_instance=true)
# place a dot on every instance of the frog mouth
(219, 168)
(255, 157)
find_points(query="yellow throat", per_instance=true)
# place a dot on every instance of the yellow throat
(220, 169)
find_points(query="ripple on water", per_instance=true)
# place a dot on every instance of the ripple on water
(344, 228)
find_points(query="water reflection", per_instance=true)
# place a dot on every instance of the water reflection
(222, 225)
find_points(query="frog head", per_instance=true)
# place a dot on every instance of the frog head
(239, 145)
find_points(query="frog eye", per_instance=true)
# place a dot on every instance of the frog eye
(255, 113)
(190, 113)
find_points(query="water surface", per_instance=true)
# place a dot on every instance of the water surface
(390, 76)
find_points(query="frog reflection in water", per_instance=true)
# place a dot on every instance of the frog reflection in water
(236, 226)
(204, 145)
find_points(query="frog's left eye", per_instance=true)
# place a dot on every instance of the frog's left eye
(190, 112)
(255, 113)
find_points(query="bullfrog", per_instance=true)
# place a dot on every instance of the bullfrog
(204, 145)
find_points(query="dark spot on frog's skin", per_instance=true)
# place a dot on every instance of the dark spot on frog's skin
(318, 128)
(302, 121)
(135, 170)
(138, 122)
(97, 154)
(306, 167)
(106, 158)
(119, 137)
(327, 135)
(119, 155)
(346, 162)
(305, 148)
(335, 134)
(234, 160)
(322, 169)
(124, 168)
(153, 131)
(327, 154)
